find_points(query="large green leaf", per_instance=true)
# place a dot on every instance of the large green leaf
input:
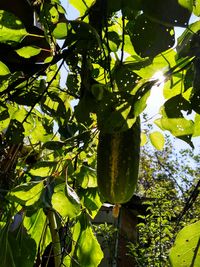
(91, 200)
(27, 194)
(11, 28)
(86, 177)
(86, 250)
(18, 248)
(36, 226)
(186, 250)
(43, 169)
(148, 37)
(177, 126)
(65, 201)
(166, 12)
(89, 252)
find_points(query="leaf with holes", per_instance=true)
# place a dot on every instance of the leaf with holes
(174, 106)
(125, 78)
(168, 12)
(148, 37)
(186, 250)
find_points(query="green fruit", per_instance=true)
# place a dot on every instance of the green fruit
(118, 157)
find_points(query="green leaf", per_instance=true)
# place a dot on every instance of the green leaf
(91, 200)
(177, 126)
(53, 145)
(4, 70)
(65, 201)
(113, 40)
(18, 250)
(86, 250)
(28, 51)
(188, 44)
(86, 177)
(36, 226)
(143, 138)
(61, 30)
(149, 38)
(89, 252)
(11, 28)
(166, 12)
(157, 139)
(175, 105)
(186, 250)
(196, 7)
(186, 3)
(27, 194)
(125, 78)
(81, 5)
(15, 132)
(42, 169)
(196, 126)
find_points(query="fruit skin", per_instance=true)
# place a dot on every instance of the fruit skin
(118, 157)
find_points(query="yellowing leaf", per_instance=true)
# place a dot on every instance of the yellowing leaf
(157, 139)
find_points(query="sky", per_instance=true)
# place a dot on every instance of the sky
(156, 98)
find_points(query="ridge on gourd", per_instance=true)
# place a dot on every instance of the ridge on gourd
(118, 157)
